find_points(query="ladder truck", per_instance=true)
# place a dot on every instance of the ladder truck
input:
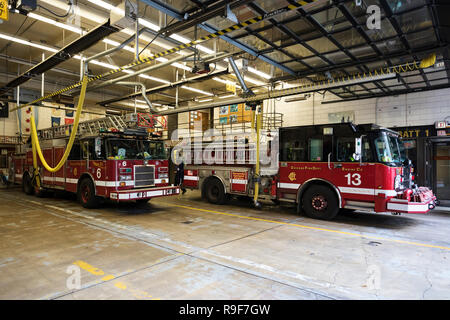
(112, 158)
(320, 169)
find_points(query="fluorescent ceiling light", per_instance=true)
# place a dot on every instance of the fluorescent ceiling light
(197, 90)
(205, 100)
(106, 5)
(259, 73)
(93, 17)
(227, 96)
(27, 43)
(148, 24)
(55, 23)
(225, 81)
(160, 59)
(78, 10)
(254, 81)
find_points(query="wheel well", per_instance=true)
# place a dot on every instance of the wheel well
(205, 182)
(86, 176)
(316, 182)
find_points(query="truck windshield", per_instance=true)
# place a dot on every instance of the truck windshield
(387, 149)
(135, 149)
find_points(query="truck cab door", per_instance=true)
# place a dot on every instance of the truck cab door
(355, 178)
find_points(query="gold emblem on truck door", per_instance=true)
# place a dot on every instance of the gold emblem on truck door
(291, 176)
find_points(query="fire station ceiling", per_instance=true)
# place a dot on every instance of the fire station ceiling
(320, 40)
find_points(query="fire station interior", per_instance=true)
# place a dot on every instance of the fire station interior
(333, 181)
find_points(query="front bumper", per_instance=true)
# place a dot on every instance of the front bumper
(425, 201)
(144, 193)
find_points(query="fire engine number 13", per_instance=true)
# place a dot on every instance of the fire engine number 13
(353, 179)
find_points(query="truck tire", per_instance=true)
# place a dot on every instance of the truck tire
(86, 194)
(320, 202)
(27, 186)
(214, 191)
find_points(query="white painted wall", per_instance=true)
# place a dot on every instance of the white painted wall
(422, 108)
(9, 126)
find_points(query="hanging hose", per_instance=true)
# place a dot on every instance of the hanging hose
(35, 168)
(257, 177)
(35, 142)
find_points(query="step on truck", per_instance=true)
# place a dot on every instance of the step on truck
(320, 169)
(112, 158)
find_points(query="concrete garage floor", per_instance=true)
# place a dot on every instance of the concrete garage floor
(184, 248)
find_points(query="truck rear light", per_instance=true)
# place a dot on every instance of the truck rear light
(124, 170)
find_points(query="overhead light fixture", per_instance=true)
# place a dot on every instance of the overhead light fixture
(259, 73)
(27, 43)
(55, 23)
(205, 100)
(299, 98)
(227, 96)
(197, 90)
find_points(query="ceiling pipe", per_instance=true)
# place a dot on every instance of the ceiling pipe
(144, 95)
(245, 89)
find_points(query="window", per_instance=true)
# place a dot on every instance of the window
(367, 154)
(88, 150)
(3, 161)
(316, 149)
(387, 149)
(345, 149)
(294, 150)
(135, 149)
(75, 152)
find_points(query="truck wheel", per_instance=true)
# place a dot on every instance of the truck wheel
(215, 192)
(86, 194)
(27, 187)
(320, 202)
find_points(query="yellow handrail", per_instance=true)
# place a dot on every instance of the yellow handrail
(35, 140)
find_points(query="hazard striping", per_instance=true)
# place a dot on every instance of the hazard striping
(360, 235)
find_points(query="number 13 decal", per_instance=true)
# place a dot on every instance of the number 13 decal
(353, 179)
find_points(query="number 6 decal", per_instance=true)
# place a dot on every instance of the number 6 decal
(353, 179)
(99, 173)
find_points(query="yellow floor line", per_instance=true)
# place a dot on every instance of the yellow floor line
(311, 228)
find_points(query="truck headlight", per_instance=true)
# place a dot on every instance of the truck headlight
(163, 175)
(123, 177)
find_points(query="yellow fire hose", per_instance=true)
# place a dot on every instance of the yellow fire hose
(258, 131)
(35, 142)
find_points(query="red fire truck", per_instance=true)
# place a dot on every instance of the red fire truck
(321, 169)
(111, 159)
